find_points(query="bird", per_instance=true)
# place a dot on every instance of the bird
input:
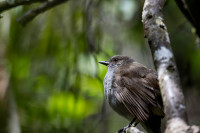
(132, 90)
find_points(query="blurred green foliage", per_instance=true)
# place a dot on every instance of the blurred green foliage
(54, 75)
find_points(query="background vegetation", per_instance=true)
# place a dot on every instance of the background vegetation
(55, 84)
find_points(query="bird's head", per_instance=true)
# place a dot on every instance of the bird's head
(116, 61)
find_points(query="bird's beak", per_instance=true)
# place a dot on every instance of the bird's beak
(106, 63)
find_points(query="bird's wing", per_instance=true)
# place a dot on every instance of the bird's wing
(137, 88)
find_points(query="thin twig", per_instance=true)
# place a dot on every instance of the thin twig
(191, 17)
(31, 14)
(5, 5)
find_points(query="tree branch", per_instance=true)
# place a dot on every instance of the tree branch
(169, 81)
(133, 130)
(5, 5)
(190, 8)
(31, 14)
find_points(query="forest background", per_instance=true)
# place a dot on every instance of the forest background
(50, 79)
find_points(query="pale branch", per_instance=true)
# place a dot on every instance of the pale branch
(31, 14)
(169, 81)
(133, 130)
(156, 32)
(5, 5)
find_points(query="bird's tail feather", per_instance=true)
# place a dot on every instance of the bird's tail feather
(153, 125)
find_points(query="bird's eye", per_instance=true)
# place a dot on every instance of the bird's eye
(116, 59)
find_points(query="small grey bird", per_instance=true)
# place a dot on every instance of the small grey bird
(132, 90)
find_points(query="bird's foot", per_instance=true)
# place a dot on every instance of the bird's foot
(132, 124)
(124, 129)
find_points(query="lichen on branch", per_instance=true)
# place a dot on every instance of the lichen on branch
(169, 80)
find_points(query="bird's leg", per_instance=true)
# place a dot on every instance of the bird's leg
(133, 123)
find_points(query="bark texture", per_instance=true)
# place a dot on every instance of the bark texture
(169, 81)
